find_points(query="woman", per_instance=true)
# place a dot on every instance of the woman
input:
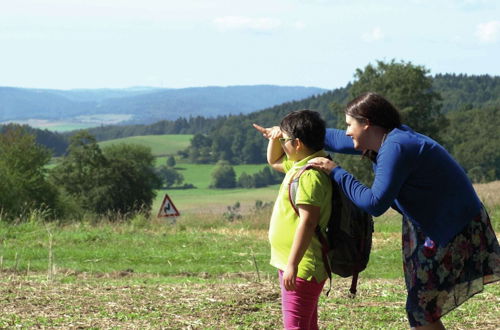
(450, 249)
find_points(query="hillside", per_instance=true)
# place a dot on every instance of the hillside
(160, 145)
(142, 105)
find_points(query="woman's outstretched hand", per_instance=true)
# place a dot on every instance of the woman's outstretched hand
(324, 164)
(269, 133)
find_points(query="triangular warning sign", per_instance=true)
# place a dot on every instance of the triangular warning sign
(168, 209)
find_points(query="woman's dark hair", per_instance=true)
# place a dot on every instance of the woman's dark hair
(306, 125)
(375, 109)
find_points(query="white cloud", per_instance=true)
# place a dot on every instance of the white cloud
(299, 25)
(488, 32)
(247, 23)
(375, 34)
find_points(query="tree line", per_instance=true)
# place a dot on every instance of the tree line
(89, 181)
(469, 133)
(122, 179)
(231, 138)
(119, 179)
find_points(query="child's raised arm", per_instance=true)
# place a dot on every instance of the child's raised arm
(275, 152)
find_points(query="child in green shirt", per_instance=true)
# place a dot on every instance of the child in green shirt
(295, 249)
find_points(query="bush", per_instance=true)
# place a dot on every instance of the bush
(120, 179)
(23, 183)
(223, 176)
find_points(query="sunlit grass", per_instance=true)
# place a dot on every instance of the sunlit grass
(161, 145)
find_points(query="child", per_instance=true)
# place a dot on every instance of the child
(295, 249)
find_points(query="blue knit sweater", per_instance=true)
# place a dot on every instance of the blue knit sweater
(416, 176)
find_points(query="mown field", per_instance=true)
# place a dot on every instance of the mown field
(161, 145)
(202, 272)
(203, 200)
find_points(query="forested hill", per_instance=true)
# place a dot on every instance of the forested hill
(459, 91)
(469, 128)
(446, 107)
(144, 105)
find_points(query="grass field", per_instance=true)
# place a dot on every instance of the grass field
(206, 200)
(201, 273)
(160, 145)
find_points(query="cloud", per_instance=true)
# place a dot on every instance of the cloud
(375, 34)
(246, 23)
(299, 25)
(488, 32)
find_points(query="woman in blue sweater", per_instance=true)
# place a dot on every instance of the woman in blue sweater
(449, 247)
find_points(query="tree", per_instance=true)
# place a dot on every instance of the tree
(169, 176)
(409, 88)
(132, 178)
(472, 138)
(82, 173)
(245, 181)
(23, 184)
(120, 178)
(171, 161)
(223, 176)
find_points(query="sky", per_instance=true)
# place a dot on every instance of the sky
(68, 44)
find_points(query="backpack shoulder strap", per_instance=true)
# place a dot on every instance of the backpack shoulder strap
(293, 186)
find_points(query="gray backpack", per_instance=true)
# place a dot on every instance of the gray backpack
(347, 240)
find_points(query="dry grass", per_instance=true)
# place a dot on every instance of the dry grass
(128, 302)
(489, 193)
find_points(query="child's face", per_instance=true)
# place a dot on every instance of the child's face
(288, 145)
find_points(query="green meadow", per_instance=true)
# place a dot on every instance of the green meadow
(202, 199)
(161, 145)
(201, 271)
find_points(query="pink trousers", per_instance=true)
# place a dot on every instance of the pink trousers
(300, 307)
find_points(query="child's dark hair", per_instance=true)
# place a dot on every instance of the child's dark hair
(306, 125)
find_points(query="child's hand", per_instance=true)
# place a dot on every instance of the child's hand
(289, 278)
(269, 133)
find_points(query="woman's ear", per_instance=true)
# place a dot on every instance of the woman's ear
(365, 124)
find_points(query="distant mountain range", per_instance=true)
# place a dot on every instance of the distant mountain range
(143, 104)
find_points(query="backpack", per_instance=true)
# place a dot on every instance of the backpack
(347, 241)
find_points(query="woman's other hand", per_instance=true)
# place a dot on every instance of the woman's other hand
(324, 164)
(269, 133)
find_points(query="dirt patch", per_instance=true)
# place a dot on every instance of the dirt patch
(118, 301)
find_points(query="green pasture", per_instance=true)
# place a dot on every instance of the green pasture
(195, 244)
(202, 199)
(201, 272)
(214, 201)
(200, 175)
(161, 145)
(66, 127)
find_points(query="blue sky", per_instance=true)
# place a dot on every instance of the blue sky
(68, 44)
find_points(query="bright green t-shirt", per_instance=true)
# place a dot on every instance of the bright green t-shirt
(314, 188)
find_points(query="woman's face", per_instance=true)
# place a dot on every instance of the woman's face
(357, 131)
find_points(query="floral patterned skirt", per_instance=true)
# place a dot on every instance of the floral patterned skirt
(440, 278)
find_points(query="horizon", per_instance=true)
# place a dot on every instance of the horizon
(215, 86)
(68, 45)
